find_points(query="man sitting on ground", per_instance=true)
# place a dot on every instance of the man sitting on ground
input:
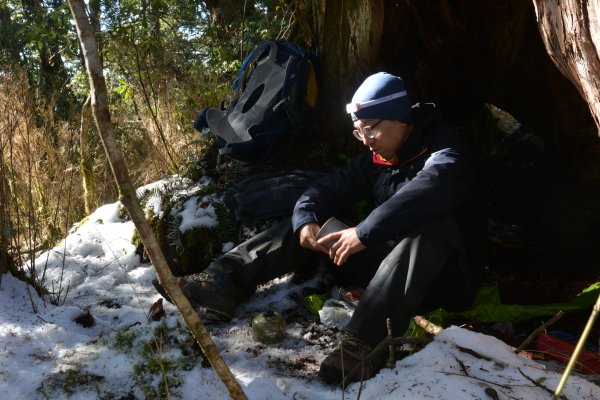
(420, 247)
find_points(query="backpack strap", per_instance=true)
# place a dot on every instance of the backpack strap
(246, 70)
(267, 80)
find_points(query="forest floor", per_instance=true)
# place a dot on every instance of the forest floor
(123, 355)
(543, 272)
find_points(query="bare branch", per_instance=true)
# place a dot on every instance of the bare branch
(129, 199)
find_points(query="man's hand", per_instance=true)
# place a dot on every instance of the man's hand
(345, 243)
(308, 238)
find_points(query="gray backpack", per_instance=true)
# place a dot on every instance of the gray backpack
(275, 84)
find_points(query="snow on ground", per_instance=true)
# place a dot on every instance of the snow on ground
(45, 354)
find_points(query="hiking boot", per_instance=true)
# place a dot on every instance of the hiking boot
(203, 292)
(161, 290)
(350, 358)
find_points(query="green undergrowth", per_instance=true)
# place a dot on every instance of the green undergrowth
(164, 351)
(159, 353)
(66, 382)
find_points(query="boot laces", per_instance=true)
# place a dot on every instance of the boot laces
(354, 346)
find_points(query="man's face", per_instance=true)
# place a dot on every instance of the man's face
(387, 136)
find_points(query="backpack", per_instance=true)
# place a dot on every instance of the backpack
(272, 89)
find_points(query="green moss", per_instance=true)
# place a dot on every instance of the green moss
(192, 250)
(79, 224)
(123, 214)
(159, 374)
(136, 239)
(123, 340)
(68, 382)
(77, 378)
(201, 158)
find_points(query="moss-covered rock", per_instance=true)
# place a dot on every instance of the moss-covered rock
(191, 225)
(192, 232)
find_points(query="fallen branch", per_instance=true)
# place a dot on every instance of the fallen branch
(476, 378)
(427, 325)
(578, 348)
(541, 328)
(538, 384)
(475, 354)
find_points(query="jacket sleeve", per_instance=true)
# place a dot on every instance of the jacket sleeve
(434, 191)
(334, 194)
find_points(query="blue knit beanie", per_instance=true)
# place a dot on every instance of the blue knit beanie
(381, 96)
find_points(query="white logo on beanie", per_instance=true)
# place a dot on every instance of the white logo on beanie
(356, 107)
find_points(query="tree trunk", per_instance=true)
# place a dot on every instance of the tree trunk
(448, 56)
(571, 33)
(8, 43)
(129, 199)
(53, 74)
(348, 41)
(90, 195)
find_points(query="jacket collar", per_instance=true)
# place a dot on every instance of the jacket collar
(416, 144)
(425, 116)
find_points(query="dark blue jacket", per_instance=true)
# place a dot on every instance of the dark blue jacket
(435, 178)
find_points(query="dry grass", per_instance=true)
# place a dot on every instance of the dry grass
(40, 178)
(38, 174)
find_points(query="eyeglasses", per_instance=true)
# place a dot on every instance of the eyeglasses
(366, 132)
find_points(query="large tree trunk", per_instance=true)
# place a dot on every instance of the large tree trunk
(348, 41)
(129, 199)
(571, 32)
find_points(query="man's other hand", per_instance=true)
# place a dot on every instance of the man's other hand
(345, 243)
(308, 238)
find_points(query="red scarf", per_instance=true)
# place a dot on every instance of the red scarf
(395, 161)
(378, 160)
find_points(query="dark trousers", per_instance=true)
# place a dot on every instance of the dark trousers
(424, 269)
(266, 256)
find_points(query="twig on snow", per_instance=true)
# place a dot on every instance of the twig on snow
(462, 365)
(537, 331)
(538, 384)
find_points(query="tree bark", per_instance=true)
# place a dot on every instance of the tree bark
(570, 30)
(86, 166)
(129, 199)
(88, 180)
(348, 42)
